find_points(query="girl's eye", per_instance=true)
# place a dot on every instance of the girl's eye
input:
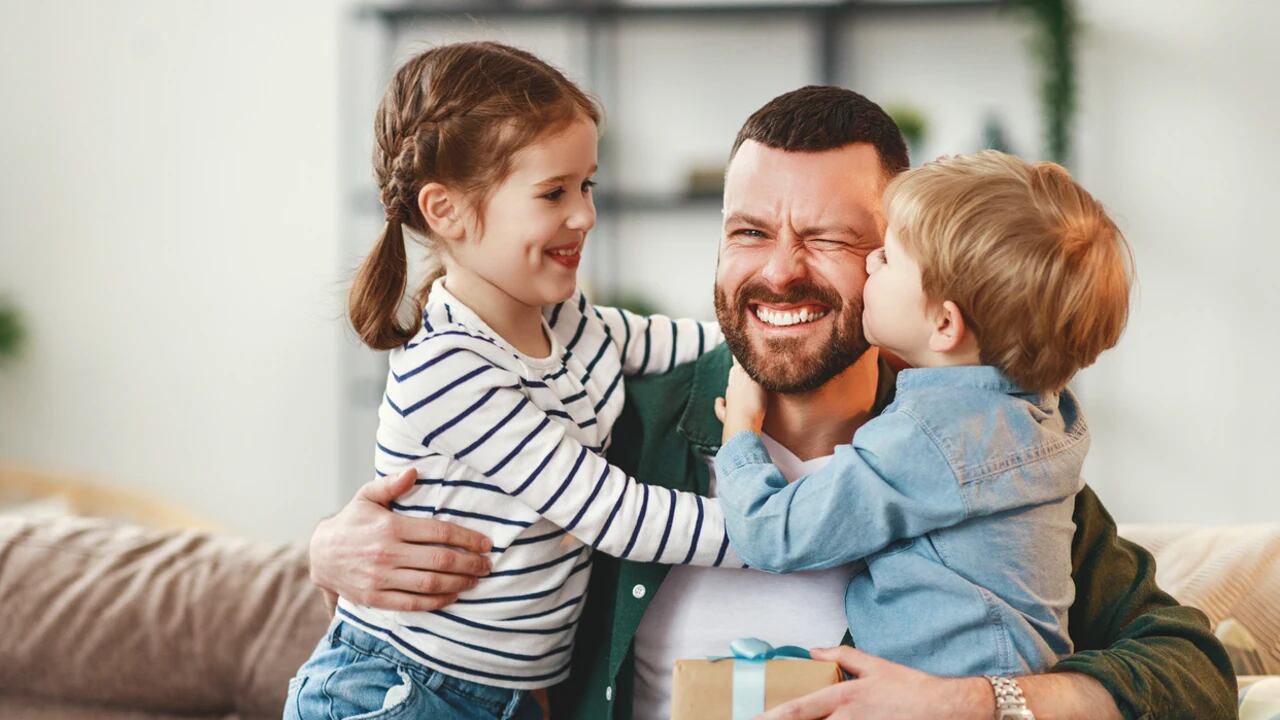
(586, 186)
(878, 254)
(554, 194)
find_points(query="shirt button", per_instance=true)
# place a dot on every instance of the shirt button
(608, 694)
(637, 592)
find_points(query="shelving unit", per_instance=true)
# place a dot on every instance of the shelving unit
(602, 20)
(642, 202)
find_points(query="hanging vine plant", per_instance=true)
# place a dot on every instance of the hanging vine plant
(1053, 45)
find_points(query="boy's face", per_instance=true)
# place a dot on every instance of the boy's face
(895, 312)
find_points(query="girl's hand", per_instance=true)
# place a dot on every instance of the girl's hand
(743, 404)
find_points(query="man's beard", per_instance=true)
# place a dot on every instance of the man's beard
(784, 366)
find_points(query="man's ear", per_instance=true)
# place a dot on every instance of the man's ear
(442, 211)
(949, 329)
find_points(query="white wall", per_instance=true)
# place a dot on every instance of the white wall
(1179, 108)
(169, 225)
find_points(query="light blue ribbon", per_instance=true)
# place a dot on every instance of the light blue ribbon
(749, 658)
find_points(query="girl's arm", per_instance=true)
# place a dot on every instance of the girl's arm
(461, 404)
(654, 344)
(891, 483)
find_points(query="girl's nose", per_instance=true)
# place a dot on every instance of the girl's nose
(583, 216)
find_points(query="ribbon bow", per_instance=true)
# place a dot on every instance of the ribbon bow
(749, 656)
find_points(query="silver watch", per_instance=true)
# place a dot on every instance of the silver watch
(1010, 705)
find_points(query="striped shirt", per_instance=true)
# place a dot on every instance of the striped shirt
(511, 446)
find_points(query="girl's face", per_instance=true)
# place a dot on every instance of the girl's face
(530, 238)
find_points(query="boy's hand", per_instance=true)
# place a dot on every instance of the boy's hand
(743, 404)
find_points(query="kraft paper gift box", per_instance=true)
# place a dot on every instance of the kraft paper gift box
(755, 678)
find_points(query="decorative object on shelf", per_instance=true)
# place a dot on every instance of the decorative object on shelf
(705, 180)
(1053, 45)
(12, 332)
(914, 126)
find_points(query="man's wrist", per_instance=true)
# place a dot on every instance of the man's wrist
(970, 698)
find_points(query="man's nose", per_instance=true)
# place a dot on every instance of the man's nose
(784, 267)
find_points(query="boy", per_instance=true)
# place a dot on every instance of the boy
(998, 281)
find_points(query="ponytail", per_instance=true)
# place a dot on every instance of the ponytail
(378, 289)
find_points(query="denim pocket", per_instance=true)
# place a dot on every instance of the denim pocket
(368, 688)
(296, 683)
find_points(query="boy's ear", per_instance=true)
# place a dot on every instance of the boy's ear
(949, 329)
(440, 208)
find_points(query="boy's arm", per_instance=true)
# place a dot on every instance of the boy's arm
(891, 483)
(1140, 655)
(654, 344)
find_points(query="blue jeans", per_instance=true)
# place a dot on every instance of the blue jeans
(352, 674)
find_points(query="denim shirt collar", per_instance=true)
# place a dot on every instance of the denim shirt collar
(981, 377)
(699, 424)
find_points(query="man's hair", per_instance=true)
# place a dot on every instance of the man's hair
(1038, 270)
(821, 117)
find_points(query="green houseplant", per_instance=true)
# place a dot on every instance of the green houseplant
(11, 331)
(1053, 44)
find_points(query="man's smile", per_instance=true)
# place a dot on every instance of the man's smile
(787, 315)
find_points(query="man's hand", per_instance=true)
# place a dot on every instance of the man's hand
(370, 555)
(883, 690)
(743, 404)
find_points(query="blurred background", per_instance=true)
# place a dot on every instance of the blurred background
(185, 190)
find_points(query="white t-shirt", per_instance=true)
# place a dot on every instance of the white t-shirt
(698, 611)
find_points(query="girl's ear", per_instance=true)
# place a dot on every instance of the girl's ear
(949, 329)
(441, 211)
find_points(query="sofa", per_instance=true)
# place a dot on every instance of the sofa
(114, 621)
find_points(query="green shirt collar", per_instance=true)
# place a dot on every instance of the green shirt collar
(699, 424)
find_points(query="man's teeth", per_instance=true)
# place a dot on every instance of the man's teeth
(783, 318)
(564, 253)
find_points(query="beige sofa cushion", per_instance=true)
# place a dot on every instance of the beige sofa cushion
(1232, 574)
(120, 616)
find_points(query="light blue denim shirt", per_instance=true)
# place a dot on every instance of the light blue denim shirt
(958, 497)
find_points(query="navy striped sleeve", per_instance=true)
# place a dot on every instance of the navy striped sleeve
(656, 343)
(470, 407)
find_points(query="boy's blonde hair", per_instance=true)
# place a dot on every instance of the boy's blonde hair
(1039, 271)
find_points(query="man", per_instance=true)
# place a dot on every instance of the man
(802, 210)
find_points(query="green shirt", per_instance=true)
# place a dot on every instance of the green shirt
(1158, 659)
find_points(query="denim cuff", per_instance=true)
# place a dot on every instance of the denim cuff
(744, 448)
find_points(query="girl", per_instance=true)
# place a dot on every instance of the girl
(502, 391)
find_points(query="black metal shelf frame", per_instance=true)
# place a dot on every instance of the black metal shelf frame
(601, 20)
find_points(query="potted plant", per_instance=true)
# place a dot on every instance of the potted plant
(11, 331)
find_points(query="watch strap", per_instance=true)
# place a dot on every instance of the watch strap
(1010, 704)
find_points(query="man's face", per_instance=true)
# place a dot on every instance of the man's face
(797, 230)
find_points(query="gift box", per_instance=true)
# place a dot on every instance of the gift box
(740, 686)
